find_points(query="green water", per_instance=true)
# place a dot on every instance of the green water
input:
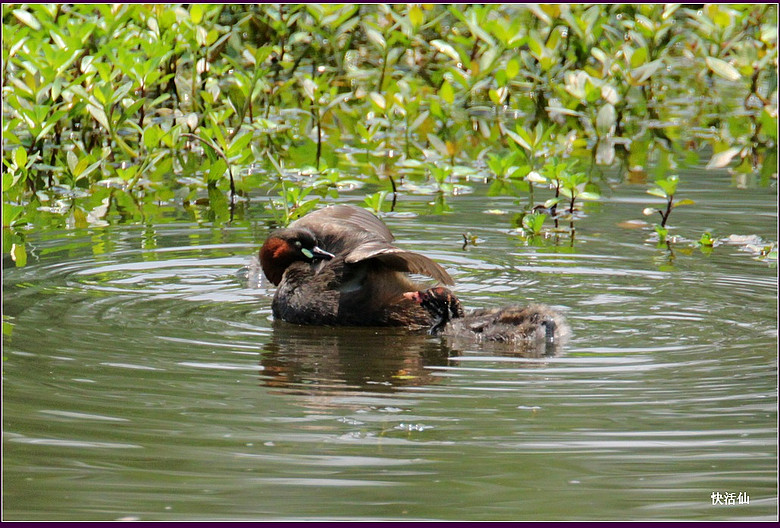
(145, 379)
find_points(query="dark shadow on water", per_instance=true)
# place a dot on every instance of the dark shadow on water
(314, 359)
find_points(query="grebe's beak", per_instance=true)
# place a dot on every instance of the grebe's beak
(317, 253)
(413, 296)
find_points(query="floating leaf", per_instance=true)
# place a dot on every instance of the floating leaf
(587, 195)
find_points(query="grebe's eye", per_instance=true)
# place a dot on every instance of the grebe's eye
(298, 244)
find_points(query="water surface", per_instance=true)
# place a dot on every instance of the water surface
(145, 378)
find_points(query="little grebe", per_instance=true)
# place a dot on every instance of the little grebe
(535, 324)
(337, 266)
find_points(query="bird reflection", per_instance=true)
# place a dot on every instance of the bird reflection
(373, 359)
(315, 359)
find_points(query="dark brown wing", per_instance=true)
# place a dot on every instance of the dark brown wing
(399, 260)
(344, 217)
(358, 234)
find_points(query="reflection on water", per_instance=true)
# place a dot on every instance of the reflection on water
(310, 358)
(376, 360)
(151, 383)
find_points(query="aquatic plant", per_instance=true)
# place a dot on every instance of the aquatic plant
(103, 103)
(666, 189)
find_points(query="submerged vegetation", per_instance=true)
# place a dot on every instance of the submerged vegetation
(117, 113)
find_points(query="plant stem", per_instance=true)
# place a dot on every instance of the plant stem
(665, 216)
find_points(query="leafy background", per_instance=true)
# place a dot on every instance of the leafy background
(126, 113)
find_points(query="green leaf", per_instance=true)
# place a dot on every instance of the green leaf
(662, 231)
(19, 255)
(438, 144)
(768, 122)
(217, 170)
(73, 161)
(86, 172)
(446, 49)
(447, 93)
(416, 16)
(644, 72)
(669, 185)
(375, 37)
(606, 119)
(132, 109)
(309, 88)
(20, 157)
(151, 136)
(533, 222)
(535, 177)
(639, 57)
(8, 327)
(722, 159)
(512, 68)
(125, 147)
(378, 100)
(657, 192)
(723, 69)
(196, 13)
(685, 201)
(519, 140)
(100, 116)
(8, 181)
(10, 213)
(26, 18)
(238, 145)
(497, 97)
